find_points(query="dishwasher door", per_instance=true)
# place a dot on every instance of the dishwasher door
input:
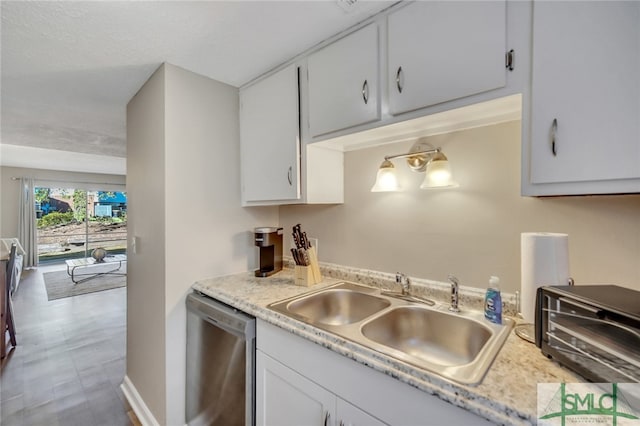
(220, 366)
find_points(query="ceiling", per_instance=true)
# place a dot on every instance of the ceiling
(69, 67)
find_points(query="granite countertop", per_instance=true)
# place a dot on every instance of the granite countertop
(507, 395)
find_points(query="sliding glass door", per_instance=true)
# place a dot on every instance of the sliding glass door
(73, 222)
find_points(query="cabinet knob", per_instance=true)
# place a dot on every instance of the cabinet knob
(399, 79)
(365, 92)
(554, 130)
(290, 175)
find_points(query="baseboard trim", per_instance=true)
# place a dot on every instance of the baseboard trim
(137, 403)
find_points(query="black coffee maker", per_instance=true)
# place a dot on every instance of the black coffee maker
(269, 239)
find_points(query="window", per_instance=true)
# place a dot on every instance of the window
(72, 222)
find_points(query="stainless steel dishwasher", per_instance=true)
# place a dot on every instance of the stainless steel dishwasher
(220, 364)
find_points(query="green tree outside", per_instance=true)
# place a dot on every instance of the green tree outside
(79, 205)
(42, 195)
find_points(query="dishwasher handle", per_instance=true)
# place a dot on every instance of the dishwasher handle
(223, 316)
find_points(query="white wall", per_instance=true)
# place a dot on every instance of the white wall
(207, 232)
(472, 231)
(204, 233)
(146, 358)
(10, 189)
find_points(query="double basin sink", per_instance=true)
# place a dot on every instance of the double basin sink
(458, 346)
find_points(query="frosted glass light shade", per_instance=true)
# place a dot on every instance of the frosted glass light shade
(438, 174)
(386, 179)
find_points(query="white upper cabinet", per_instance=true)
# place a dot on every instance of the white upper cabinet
(444, 50)
(344, 83)
(270, 138)
(275, 167)
(585, 99)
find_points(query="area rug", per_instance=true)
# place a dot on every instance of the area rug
(59, 284)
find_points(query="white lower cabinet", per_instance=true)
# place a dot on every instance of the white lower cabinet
(286, 398)
(350, 415)
(300, 383)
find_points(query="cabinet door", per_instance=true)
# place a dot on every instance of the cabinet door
(285, 398)
(270, 138)
(586, 63)
(444, 50)
(350, 415)
(343, 83)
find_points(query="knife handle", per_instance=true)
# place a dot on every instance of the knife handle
(301, 259)
(305, 241)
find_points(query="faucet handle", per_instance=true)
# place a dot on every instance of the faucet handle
(454, 293)
(405, 284)
(404, 281)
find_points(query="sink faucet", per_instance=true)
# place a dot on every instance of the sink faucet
(454, 293)
(403, 280)
(405, 294)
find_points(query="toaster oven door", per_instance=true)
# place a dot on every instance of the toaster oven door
(586, 339)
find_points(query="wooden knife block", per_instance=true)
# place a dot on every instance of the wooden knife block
(313, 263)
(308, 275)
(303, 276)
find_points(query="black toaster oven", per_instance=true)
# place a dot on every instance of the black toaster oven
(591, 329)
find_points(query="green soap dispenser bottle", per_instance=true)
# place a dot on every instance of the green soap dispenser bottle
(493, 301)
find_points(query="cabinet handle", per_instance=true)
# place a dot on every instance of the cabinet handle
(326, 418)
(554, 130)
(510, 59)
(341, 423)
(399, 82)
(290, 176)
(365, 92)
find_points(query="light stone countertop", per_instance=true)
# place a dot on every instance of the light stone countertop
(507, 395)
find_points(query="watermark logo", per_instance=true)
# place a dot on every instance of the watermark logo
(589, 403)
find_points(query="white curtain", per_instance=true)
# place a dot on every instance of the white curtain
(27, 233)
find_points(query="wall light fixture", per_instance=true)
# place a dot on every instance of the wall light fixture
(423, 157)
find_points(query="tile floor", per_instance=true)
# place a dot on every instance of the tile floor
(70, 359)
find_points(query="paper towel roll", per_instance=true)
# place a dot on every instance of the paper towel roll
(544, 261)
